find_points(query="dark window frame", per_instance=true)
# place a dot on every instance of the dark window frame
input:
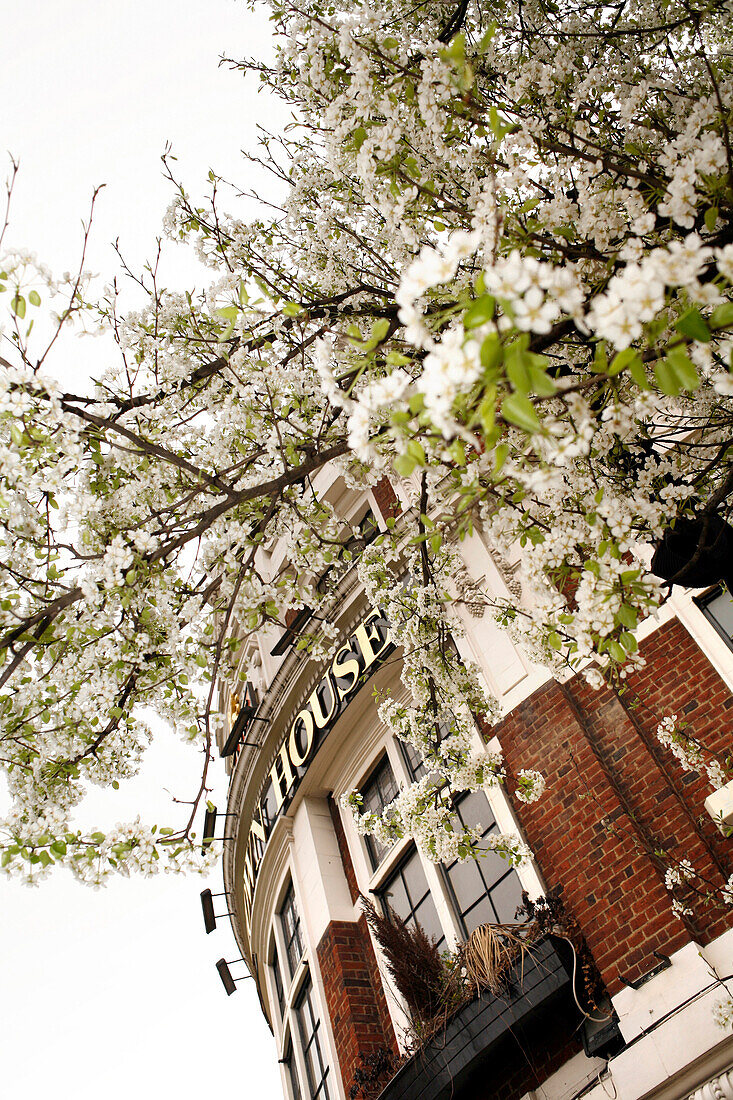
(460, 913)
(391, 876)
(419, 769)
(291, 1069)
(317, 1089)
(279, 983)
(377, 852)
(291, 935)
(703, 602)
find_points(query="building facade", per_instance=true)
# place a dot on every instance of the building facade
(295, 867)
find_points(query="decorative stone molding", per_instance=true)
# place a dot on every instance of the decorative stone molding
(509, 572)
(471, 592)
(717, 1088)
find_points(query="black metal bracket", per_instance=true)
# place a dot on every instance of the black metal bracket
(664, 963)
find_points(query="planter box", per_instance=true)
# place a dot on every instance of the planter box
(486, 1042)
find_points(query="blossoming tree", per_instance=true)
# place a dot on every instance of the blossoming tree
(497, 266)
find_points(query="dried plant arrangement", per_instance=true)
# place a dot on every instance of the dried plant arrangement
(490, 952)
(413, 961)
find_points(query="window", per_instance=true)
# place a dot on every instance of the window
(378, 792)
(368, 529)
(415, 764)
(717, 607)
(290, 920)
(278, 981)
(291, 1072)
(407, 893)
(309, 1025)
(487, 889)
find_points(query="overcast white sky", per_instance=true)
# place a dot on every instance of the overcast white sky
(113, 993)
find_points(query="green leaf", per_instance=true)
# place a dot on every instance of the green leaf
(617, 652)
(291, 309)
(415, 450)
(18, 306)
(486, 40)
(637, 372)
(666, 379)
(692, 324)
(519, 410)
(540, 381)
(517, 368)
(458, 452)
(628, 641)
(479, 312)
(500, 456)
(683, 368)
(380, 329)
(554, 640)
(229, 313)
(34, 298)
(711, 217)
(404, 465)
(491, 352)
(722, 316)
(487, 410)
(626, 615)
(622, 360)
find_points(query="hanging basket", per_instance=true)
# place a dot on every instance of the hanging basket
(679, 545)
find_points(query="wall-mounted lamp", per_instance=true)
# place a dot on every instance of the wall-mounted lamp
(229, 983)
(245, 714)
(207, 906)
(210, 826)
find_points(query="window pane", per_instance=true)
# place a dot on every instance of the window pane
(396, 897)
(507, 897)
(485, 890)
(467, 882)
(292, 1073)
(415, 763)
(417, 905)
(474, 810)
(414, 877)
(309, 1027)
(718, 607)
(426, 915)
(413, 758)
(278, 982)
(291, 930)
(379, 790)
(493, 866)
(481, 913)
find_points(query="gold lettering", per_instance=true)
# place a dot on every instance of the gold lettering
(249, 870)
(316, 703)
(349, 669)
(366, 634)
(247, 899)
(287, 777)
(296, 758)
(258, 829)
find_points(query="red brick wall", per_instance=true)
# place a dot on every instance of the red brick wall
(355, 996)
(615, 798)
(386, 498)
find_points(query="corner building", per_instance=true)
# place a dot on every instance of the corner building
(294, 865)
